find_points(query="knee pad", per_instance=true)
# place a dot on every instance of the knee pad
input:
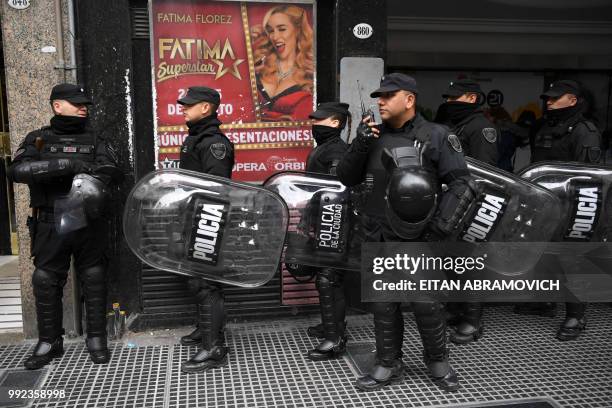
(42, 278)
(329, 277)
(94, 275)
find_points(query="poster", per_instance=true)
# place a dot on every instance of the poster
(260, 56)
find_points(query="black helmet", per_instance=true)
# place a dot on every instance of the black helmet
(412, 193)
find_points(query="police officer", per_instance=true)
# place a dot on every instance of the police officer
(442, 160)
(329, 120)
(206, 149)
(564, 134)
(461, 112)
(48, 160)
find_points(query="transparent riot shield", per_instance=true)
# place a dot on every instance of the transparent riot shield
(325, 230)
(585, 193)
(510, 209)
(206, 226)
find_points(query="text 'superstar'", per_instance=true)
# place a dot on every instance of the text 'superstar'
(223, 69)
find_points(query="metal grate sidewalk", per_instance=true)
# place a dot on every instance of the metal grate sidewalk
(517, 359)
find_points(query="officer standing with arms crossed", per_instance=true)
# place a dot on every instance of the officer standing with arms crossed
(564, 134)
(207, 150)
(48, 160)
(329, 120)
(442, 158)
(479, 138)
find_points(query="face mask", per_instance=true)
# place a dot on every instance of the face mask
(68, 124)
(562, 114)
(454, 112)
(322, 133)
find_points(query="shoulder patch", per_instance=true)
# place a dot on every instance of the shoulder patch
(218, 150)
(19, 151)
(454, 142)
(490, 134)
(590, 125)
(593, 154)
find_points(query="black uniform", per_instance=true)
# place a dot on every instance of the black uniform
(444, 159)
(326, 155)
(478, 136)
(208, 150)
(323, 159)
(47, 161)
(565, 135)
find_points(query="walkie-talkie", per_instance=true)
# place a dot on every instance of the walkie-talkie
(364, 112)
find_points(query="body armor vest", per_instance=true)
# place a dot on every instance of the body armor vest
(553, 142)
(81, 146)
(68, 146)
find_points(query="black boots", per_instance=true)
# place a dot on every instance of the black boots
(431, 323)
(383, 373)
(389, 335)
(210, 331)
(98, 350)
(44, 352)
(331, 300)
(206, 359)
(47, 290)
(192, 339)
(328, 349)
(574, 323)
(94, 291)
(571, 328)
(469, 326)
(441, 371)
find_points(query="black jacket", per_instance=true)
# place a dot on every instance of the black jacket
(55, 144)
(479, 137)
(325, 157)
(362, 163)
(574, 139)
(207, 149)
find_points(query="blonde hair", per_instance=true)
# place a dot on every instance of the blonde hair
(304, 61)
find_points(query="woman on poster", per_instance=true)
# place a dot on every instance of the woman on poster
(284, 64)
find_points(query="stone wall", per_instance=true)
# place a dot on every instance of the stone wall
(30, 75)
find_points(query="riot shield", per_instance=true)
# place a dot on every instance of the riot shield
(85, 201)
(325, 230)
(205, 226)
(585, 194)
(509, 209)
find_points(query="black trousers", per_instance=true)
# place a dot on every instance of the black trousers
(52, 253)
(211, 311)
